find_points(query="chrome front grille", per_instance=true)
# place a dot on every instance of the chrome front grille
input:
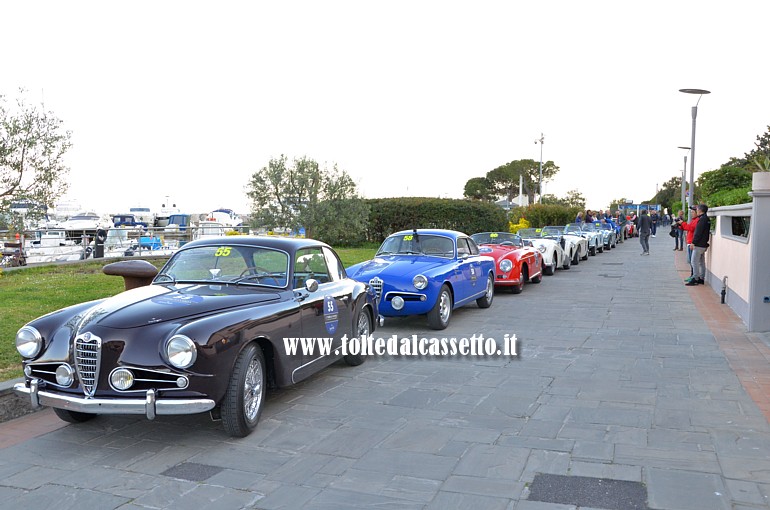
(376, 284)
(88, 353)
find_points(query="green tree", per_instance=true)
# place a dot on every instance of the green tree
(32, 148)
(550, 199)
(575, 199)
(727, 177)
(669, 192)
(479, 188)
(504, 180)
(301, 194)
(761, 148)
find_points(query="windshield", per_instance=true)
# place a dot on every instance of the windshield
(227, 263)
(589, 227)
(573, 228)
(418, 244)
(528, 233)
(504, 238)
(551, 231)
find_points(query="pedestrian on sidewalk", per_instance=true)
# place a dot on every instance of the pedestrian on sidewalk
(679, 239)
(654, 218)
(689, 228)
(700, 243)
(645, 229)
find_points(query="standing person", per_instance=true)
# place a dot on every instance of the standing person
(679, 239)
(579, 218)
(654, 218)
(689, 227)
(700, 243)
(589, 218)
(645, 228)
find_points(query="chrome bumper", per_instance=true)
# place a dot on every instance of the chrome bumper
(149, 406)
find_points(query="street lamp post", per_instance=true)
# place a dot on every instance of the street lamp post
(684, 174)
(540, 182)
(700, 93)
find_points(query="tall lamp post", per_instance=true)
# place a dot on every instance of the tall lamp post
(684, 175)
(699, 93)
(540, 182)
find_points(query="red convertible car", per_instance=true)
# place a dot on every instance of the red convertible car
(515, 261)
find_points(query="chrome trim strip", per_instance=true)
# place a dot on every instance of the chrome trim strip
(116, 405)
(399, 293)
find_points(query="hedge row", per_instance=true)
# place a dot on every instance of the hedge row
(388, 215)
(541, 215)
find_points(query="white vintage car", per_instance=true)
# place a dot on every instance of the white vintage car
(592, 228)
(592, 237)
(575, 246)
(553, 252)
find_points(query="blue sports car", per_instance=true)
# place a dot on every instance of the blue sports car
(428, 271)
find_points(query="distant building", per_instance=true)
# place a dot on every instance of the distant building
(508, 205)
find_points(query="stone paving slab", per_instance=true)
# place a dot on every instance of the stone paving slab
(619, 377)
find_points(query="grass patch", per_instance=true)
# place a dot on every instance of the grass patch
(29, 292)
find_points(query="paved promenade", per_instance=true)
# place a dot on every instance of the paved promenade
(631, 391)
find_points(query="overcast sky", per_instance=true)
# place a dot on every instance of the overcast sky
(188, 99)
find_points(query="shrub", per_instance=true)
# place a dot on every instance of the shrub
(388, 215)
(541, 215)
(515, 227)
(729, 197)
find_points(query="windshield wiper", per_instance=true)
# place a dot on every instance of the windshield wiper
(165, 275)
(251, 277)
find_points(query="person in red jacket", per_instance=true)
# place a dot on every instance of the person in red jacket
(689, 227)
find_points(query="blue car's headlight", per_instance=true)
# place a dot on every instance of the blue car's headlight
(420, 282)
(28, 342)
(181, 351)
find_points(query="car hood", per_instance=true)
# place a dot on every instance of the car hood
(394, 266)
(161, 303)
(497, 251)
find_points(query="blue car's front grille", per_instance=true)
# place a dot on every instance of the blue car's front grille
(376, 284)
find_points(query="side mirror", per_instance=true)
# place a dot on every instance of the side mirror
(311, 285)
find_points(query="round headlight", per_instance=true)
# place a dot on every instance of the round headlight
(506, 266)
(28, 342)
(541, 248)
(64, 375)
(180, 351)
(122, 379)
(419, 282)
(397, 303)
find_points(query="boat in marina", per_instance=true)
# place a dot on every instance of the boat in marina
(84, 224)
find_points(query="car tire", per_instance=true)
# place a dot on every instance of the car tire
(485, 301)
(566, 263)
(73, 416)
(601, 249)
(439, 315)
(550, 269)
(363, 328)
(245, 395)
(592, 251)
(576, 258)
(585, 257)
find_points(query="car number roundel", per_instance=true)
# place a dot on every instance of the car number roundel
(331, 314)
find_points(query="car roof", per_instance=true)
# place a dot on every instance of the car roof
(454, 234)
(288, 244)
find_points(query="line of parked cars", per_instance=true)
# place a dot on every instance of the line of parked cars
(212, 330)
